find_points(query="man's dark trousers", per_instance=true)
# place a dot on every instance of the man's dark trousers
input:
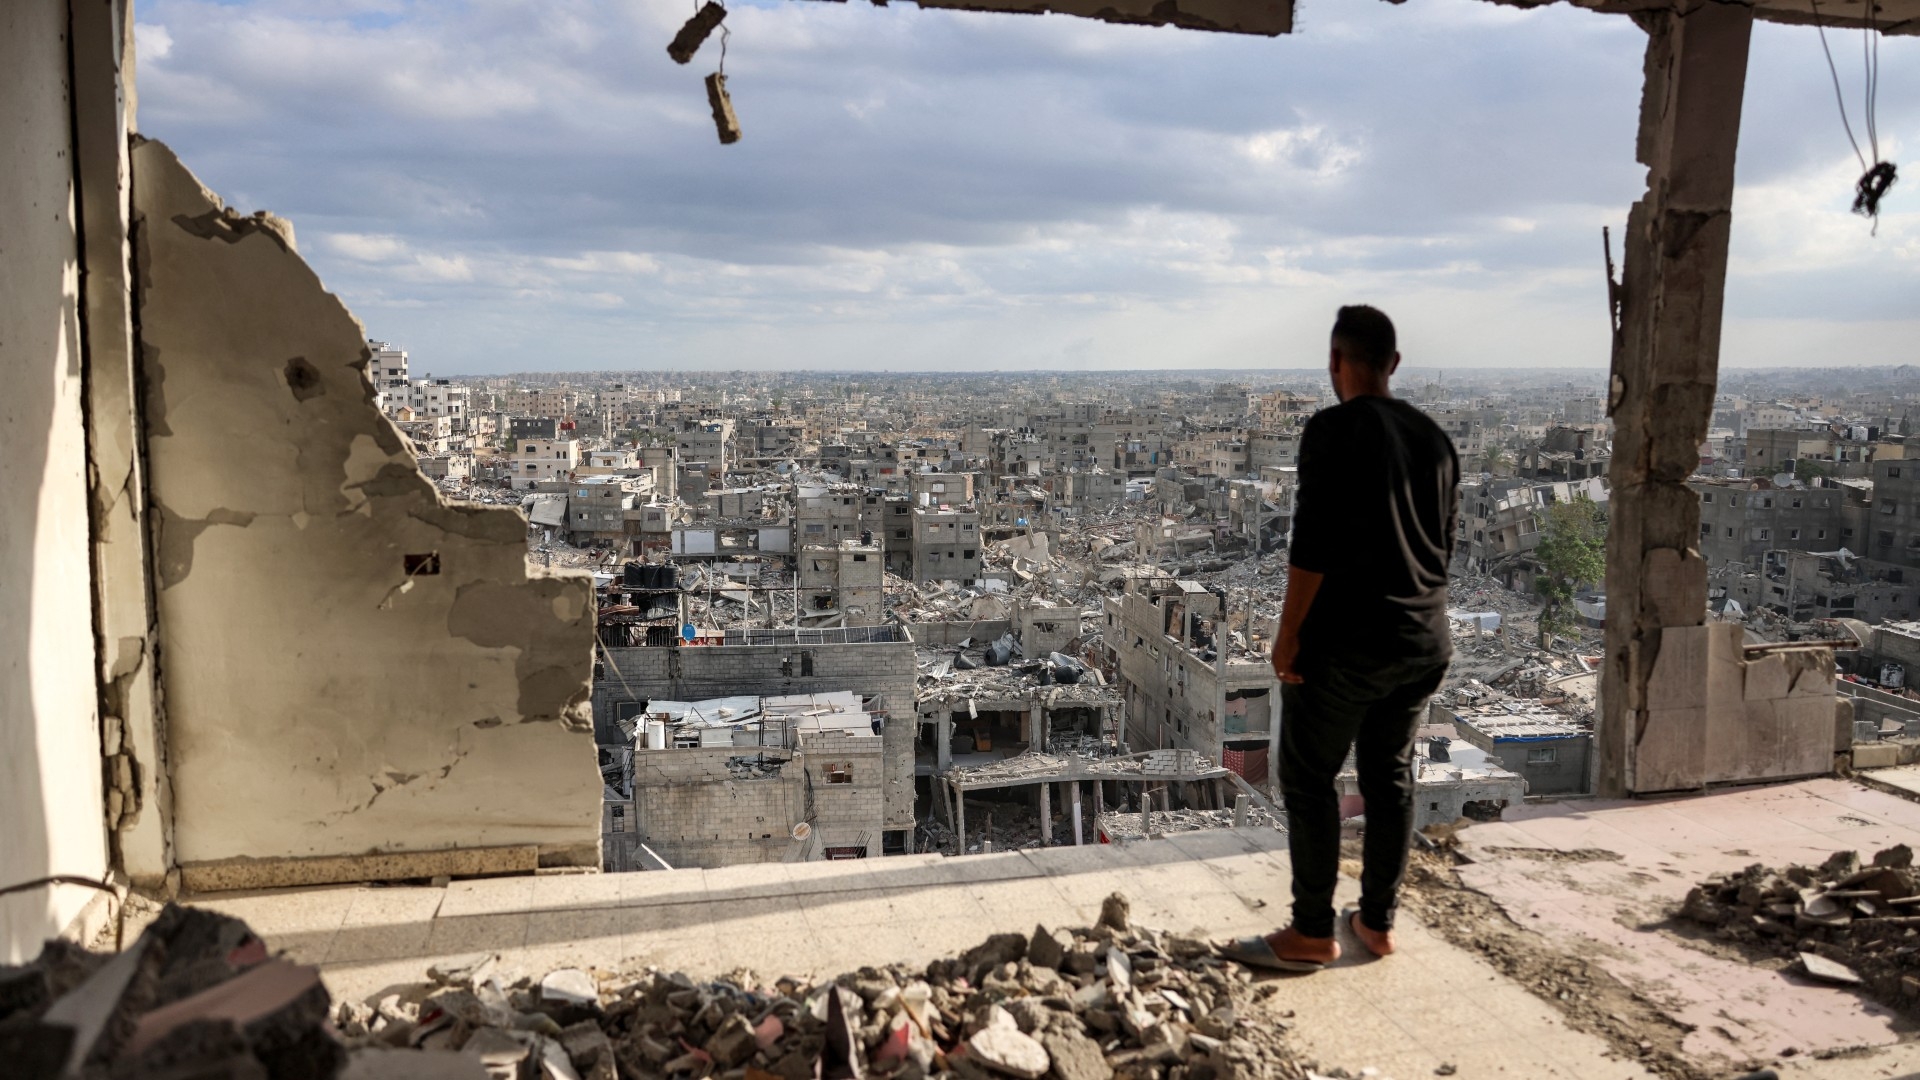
(1373, 711)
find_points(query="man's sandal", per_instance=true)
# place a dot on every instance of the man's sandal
(1257, 952)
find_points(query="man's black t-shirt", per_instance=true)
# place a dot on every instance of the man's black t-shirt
(1376, 513)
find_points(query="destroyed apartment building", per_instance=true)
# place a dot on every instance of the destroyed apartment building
(1195, 675)
(710, 751)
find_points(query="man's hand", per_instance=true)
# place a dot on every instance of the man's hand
(1286, 648)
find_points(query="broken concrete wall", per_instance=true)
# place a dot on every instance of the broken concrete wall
(1715, 715)
(351, 665)
(689, 808)
(50, 788)
(139, 814)
(692, 809)
(953, 633)
(1666, 354)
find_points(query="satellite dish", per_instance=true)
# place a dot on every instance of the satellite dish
(802, 831)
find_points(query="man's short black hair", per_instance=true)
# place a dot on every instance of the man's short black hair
(1364, 333)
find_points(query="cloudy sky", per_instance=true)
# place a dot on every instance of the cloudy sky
(512, 185)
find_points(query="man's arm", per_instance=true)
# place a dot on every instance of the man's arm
(1302, 586)
(1314, 548)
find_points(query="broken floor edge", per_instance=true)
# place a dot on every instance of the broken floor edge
(230, 875)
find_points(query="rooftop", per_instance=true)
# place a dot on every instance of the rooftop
(1558, 957)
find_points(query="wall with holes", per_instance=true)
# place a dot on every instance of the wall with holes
(350, 663)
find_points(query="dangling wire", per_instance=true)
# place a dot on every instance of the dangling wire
(1875, 177)
(1866, 71)
(724, 35)
(1835, 72)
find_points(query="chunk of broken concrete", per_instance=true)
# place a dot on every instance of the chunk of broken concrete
(724, 120)
(733, 1042)
(1005, 1048)
(1826, 970)
(1116, 913)
(1074, 1056)
(505, 1055)
(1045, 949)
(590, 1050)
(1119, 970)
(569, 986)
(695, 32)
(1897, 857)
(462, 970)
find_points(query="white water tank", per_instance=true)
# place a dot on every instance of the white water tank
(657, 735)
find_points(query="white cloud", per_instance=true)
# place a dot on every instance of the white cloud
(950, 188)
(151, 42)
(365, 248)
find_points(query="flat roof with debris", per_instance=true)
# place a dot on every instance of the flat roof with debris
(1506, 725)
(1034, 767)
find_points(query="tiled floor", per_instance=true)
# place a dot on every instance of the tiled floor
(1902, 778)
(1615, 901)
(1432, 1004)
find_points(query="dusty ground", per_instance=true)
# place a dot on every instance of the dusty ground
(1592, 1000)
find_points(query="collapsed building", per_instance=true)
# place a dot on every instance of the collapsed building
(745, 779)
(803, 700)
(1194, 675)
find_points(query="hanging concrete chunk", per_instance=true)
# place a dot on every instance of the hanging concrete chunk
(695, 32)
(723, 118)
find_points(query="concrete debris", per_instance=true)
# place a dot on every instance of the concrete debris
(1127, 826)
(1827, 970)
(695, 32)
(1116, 999)
(198, 996)
(1845, 921)
(195, 995)
(724, 120)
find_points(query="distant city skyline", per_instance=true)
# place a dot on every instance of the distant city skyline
(537, 186)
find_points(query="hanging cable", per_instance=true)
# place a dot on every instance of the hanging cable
(1876, 175)
(1835, 72)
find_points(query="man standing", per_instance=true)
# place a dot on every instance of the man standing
(1363, 639)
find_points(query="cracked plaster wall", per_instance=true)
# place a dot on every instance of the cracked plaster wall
(133, 737)
(320, 700)
(1720, 716)
(50, 773)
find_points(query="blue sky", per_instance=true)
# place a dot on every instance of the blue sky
(505, 185)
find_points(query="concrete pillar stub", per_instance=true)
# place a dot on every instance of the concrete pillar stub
(1666, 352)
(1046, 814)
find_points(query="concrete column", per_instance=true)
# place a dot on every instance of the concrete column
(943, 736)
(139, 797)
(1274, 720)
(959, 820)
(1666, 352)
(1046, 814)
(1078, 835)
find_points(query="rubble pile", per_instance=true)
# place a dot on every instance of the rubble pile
(1118, 825)
(1842, 922)
(1008, 825)
(196, 995)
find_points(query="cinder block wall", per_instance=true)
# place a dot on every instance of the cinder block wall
(692, 810)
(883, 669)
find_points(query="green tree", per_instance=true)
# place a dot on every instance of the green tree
(1495, 459)
(1572, 553)
(1808, 470)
